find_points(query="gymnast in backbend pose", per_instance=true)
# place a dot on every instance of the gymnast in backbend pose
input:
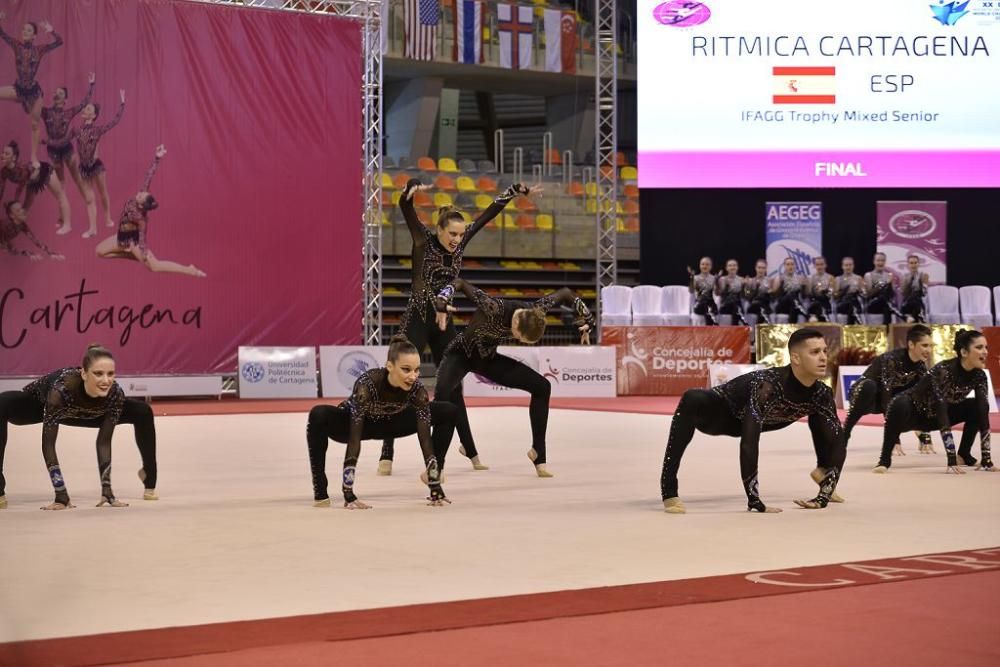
(386, 402)
(847, 289)
(498, 322)
(437, 260)
(87, 396)
(92, 171)
(130, 241)
(757, 402)
(31, 179)
(58, 145)
(890, 374)
(939, 400)
(729, 288)
(787, 288)
(15, 224)
(25, 90)
(757, 291)
(702, 286)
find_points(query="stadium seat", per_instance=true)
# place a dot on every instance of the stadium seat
(676, 305)
(395, 196)
(525, 204)
(942, 304)
(467, 166)
(443, 199)
(646, 305)
(486, 167)
(616, 305)
(387, 183)
(631, 207)
(508, 221)
(387, 198)
(631, 191)
(555, 157)
(607, 171)
(525, 221)
(974, 301)
(447, 164)
(575, 189)
(422, 200)
(465, 200)
(629, 174)
(404, 163)
(632, 224)
(545, 222)
(445, 183)
(483, 202)
(486, 184)
(591, 189)
(426, 164)
(400, 180)
(465, 184)
(620, 160)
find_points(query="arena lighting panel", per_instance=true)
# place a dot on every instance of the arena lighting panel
(784, 93)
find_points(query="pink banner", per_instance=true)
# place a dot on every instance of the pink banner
(820, 169)
(918, 228)
(259, 113)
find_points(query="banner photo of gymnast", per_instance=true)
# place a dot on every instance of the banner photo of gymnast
(192, 144)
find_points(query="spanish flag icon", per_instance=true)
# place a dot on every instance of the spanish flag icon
(804, 85)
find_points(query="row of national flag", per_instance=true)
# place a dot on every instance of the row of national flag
(422, 19)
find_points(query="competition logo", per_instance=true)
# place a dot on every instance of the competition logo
(681, 14)
(636, 356)
(551, 374)
(948, 13)
(252, 372)
(912, 224)
(352, 366)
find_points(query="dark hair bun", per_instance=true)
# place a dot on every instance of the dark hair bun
(95, 346)
(964, 338)
(398, 339)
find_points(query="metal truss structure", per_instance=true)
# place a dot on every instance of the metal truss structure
(606, 143)
(368, 14)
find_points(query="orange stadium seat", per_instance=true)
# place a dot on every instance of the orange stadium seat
(447, 164)
(445, 182)
(400, 179)
(423, 200)
(426, 164)
(525, 221)
(632, 224)
(620, 160)
(631, 191)
(575, 188)
(555, 157)
(631, 207)
(487, 184)
(525, 204)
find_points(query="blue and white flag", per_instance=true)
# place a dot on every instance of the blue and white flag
(468, 31)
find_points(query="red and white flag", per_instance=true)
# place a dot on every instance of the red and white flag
(515, 25)
(560, 41)
(804, 85)
(420, 23)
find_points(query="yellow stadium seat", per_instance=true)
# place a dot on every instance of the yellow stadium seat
(544, 221)
(591, 189)
(591, 206)
(387, 183)
(629, 174)
(466, 184)
(508, 221)
(447, 164)
(483, 202)
(396, 194)
(443, 199)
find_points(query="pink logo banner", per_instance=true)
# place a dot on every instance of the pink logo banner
(914, 228)
(196, 187)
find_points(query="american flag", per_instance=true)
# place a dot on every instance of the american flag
(421, 20)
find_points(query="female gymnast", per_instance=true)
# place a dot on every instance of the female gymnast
(729, 288)
(496, 322)
(437, 260)
(758, 292)
(940, 400)
(388, 402)
(15, 224)
(86, 396)
(25, 90)
(57, 143)
(31, 179)
(787, 288)
(702, 286)
(130, 241)
(92, 171)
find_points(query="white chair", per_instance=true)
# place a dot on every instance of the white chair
(942, 304)
(646, 306)
(974, 301)
(675, 305)
(616, 305)
(996, 301)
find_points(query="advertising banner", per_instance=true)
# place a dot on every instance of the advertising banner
(794, 230)
(848, 376)
(477, 385)
(198, 187)
(914, 228)
(277, 372)
(666, 361)
(341, 365)
(723, 373)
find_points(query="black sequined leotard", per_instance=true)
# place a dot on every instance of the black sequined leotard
(894, 372)
(433, 266)
(27, 58)
(947, 383)
(87, 137)
(57, 121)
